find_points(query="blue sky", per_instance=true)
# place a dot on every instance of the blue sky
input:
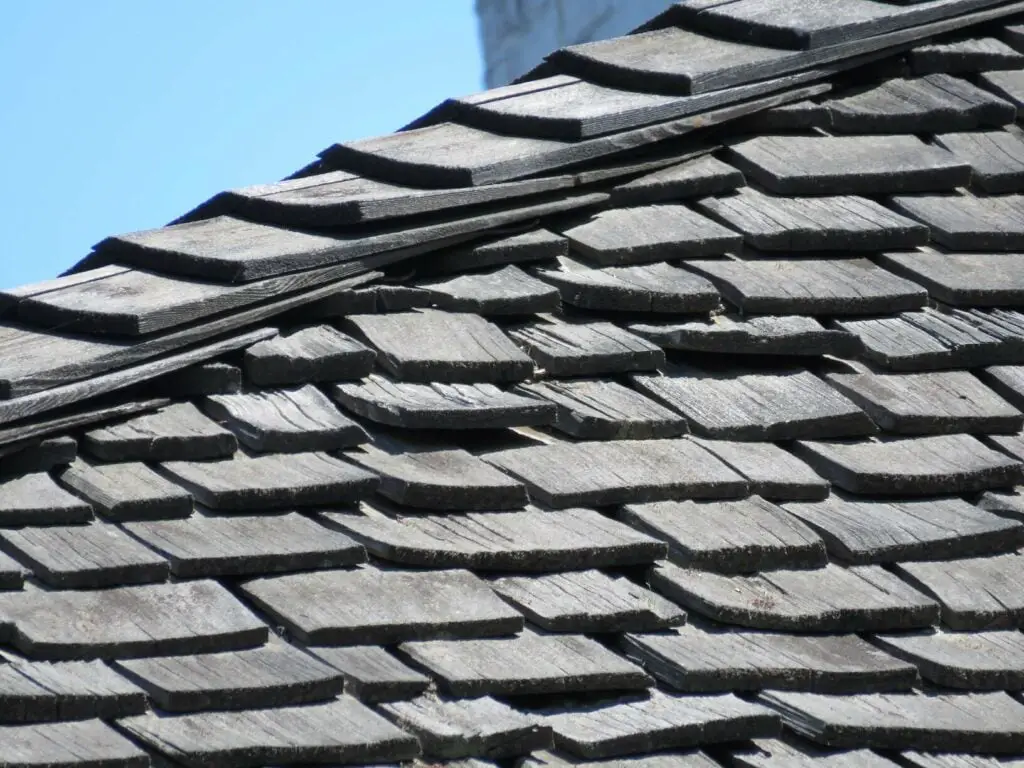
(119, 115)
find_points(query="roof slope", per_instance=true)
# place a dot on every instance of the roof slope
(664, 406)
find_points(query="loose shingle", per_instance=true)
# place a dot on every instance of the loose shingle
(987, 722)
(845, 222)
(176, 432)
(622, 236)
(340, 731)
(929, 403)
(739, 404)
(996, 158)
(588, 601)
(694, 659)
(504, 291)
(963, 279)
(618, 472)
(763, 335)
(829, 599)
(524, 540)
(862, 532)
(367, 606)
(272, 481)
(966, 222)
(694, 178)
(127, 622)
(597, 409)
(729, 536)
(586, 349)
(84, 556)
(480, 727)
(430, 345)
(275, 675)
(34, 692)
(770, 471)
(975, 593)
(533, 245)
(935, 103)
(318, 353)
(658, 287)
(442, 479)
(204, 545)
(529, 663)
(285, 420)
(85, 743)
(204, 379)
(918, 466)
(129, 491)
(35, 499)
(979, 661)
(43, 456)
(661, 721)
(372, 674)
(848, 165)
(441, 406)
(811, 286)
(975, 54)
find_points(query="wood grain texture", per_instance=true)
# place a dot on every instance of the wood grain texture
(504, 291)
(688, 759)
(596, 409)
(178, 431)
(271, 481)
(316, 353)
(128, 622)
(524, 540)
(441, 480)
(657, 287)
(790, 335)
(454, 155)
(847, 165)
(975, 593)
(203, 379)
(779, 753)
(204, 545)
(275, 675)
(980, 661)
(830, 599)
(996, 158)
(618, 472)
(35, 499)
(126, 491)
(752, 404)
(529, 663)
(483, 727)
(36, 692)
(694, 178)
(936, 103)
(771, 471)
(623, 236)
(431, 345)
(1009, 85)
(967, 56)
(920, 466)
(823, 223)
(535, 244)
(82, 742)
(965, 222)
(285, 420)
(863, 532)
(342, 731)
(929, 403)
(440, 406)
(379, 607)
(963, 279)
(588, 601)
(695, 659)
(84, 556)
(585, 349)
(372, 674)
(660, 722)
(981, 722)
(728, 536)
